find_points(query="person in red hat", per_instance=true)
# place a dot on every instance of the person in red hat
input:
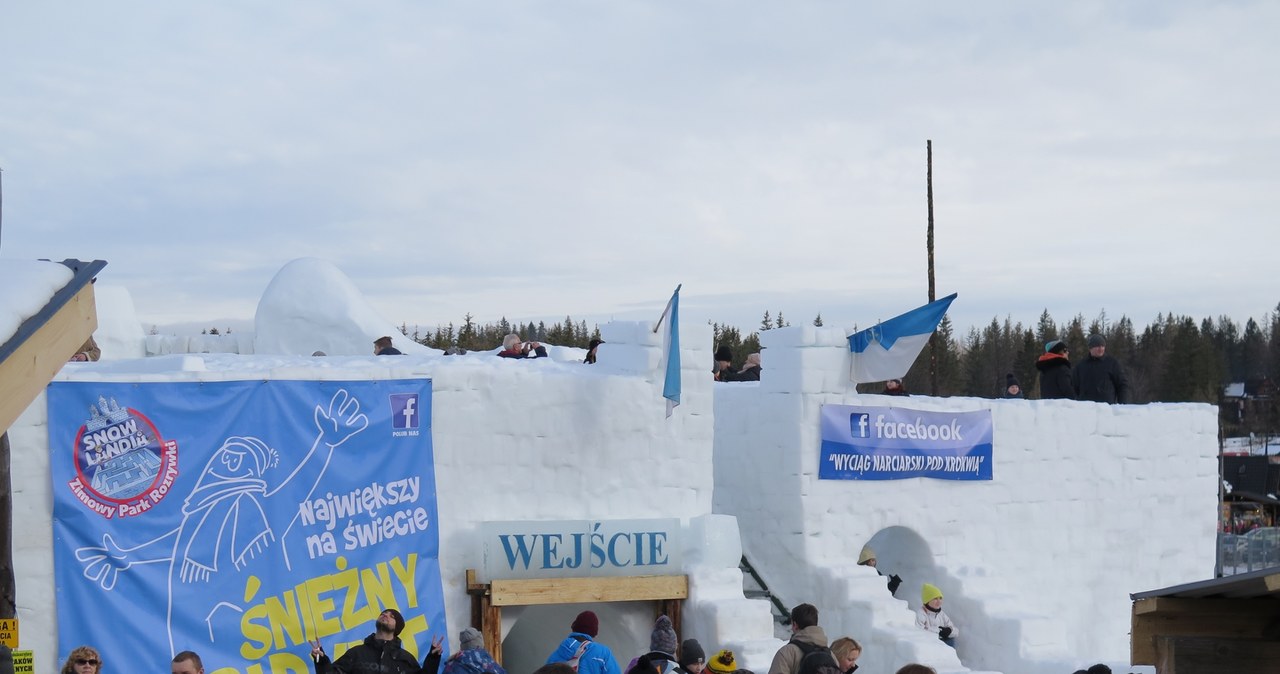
(591, 656)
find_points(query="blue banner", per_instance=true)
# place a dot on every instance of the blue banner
(241, 519)
(892, 443)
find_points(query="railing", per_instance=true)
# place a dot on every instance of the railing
(1241, 553)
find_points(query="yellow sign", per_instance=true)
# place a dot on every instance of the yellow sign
(24, 662)
(9, 632)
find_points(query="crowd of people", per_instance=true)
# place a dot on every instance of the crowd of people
(806, 652)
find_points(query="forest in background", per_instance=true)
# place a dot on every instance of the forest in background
(1175, 359)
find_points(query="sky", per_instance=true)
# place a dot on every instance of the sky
(532, 160)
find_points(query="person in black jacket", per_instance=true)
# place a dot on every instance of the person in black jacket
(1099, 377)
(1055, 371)
(750, 370)
(381, 651)
(382, 347)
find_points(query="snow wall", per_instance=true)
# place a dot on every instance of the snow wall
(542, 439)
(1088, 503)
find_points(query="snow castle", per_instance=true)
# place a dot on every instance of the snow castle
(1087, 504)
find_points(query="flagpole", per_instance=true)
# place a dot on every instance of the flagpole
(666, 309)
(933, 338)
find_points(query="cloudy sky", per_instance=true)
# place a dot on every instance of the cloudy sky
(538, 159)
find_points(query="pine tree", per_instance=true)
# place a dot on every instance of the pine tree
(778, 322)
(766, 323)
(749, 346)
(817, 320)
(468, 337)
(1046, 329)
(1253, 352)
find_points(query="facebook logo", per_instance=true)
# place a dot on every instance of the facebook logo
(859, 425)
(404, 410)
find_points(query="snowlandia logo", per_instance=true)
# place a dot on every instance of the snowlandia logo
(123, 466)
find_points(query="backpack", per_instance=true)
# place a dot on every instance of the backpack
(577, 655)
(816, 659)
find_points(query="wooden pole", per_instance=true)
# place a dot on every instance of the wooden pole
(8, 587)
(933, 338)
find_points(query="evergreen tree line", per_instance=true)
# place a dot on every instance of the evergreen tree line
(474, 336)
(1175, 359)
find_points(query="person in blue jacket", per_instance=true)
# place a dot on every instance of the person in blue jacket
(596, 658)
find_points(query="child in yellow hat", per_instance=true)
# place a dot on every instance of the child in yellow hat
(931, 617)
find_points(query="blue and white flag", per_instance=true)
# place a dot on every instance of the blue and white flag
(887, 350)
(671, 351)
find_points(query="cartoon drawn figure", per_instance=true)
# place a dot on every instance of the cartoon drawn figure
(230, 517)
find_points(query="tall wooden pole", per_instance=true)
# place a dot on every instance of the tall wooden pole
(933, 338)
(8, 588)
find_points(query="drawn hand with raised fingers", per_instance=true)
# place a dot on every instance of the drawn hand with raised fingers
(342, 420)
(103, 564)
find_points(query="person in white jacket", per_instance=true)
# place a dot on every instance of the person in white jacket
(931, 618)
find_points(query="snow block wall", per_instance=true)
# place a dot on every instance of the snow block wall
(514, 440)
(1088, 503)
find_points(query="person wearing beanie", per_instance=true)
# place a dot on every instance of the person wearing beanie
(868, 558)
(1055, 371)
(662, 648)
(470, 638)
(471, 658)
(591, 351)
(593, 657)
(894, 387)
(692, 658)
(723, 362)
(930, 616)
(380, 652)
(806, 637)
(1099, 377)
(1012, 389)
(722, 662)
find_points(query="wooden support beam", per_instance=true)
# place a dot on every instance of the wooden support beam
(528, 592)
(492, 630)
(29, 368)
(1174, 617)
(1202, 655)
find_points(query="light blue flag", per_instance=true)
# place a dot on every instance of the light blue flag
(887, 350)
(671, 352)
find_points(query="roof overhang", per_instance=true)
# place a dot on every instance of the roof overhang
(44, 342)
(1239, 613)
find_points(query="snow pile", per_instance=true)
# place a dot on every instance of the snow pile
(25, 287)
(312, 306)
